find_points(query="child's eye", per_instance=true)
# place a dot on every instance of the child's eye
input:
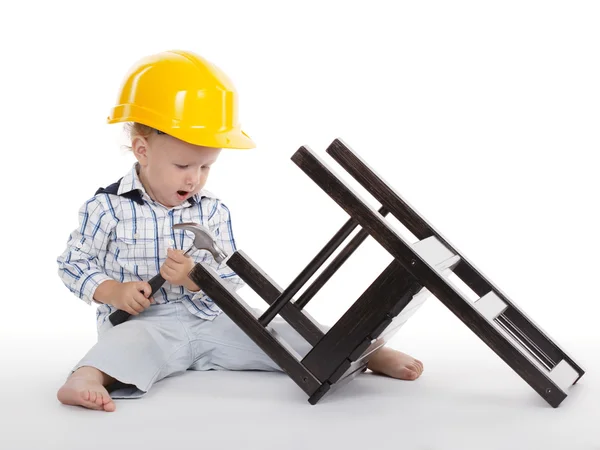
(206, 167)
(182, 166)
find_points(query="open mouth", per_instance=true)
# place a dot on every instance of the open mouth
(182, 194)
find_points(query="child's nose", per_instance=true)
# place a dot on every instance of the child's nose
(192, 179)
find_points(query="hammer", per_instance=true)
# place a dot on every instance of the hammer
(203, 240)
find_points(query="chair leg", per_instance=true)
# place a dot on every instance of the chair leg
(238, 311)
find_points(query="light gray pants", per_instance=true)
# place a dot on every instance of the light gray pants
(167, 340)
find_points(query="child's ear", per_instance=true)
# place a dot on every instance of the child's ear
(139, 147)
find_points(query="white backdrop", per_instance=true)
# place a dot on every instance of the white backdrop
(483, 115)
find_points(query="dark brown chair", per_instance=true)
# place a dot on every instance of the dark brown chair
(417, 270)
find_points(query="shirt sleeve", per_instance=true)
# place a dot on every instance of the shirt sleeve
(79, 266)
(222, 231)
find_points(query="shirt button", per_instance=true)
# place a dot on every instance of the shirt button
(171, 242)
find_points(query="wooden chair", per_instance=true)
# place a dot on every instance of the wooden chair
(417, 270)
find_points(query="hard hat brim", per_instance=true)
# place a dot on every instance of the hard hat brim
(232, 138)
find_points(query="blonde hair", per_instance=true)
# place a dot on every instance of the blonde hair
(134, 129)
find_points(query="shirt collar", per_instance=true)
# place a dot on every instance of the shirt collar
(132, 187)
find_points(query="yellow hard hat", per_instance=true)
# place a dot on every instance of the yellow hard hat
(184, 95)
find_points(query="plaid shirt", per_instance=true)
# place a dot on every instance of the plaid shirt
(124, 237)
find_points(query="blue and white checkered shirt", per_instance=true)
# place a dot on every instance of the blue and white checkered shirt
(124, 237)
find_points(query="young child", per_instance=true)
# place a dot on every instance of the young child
(181, 111)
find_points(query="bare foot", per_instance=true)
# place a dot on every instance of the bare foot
(84, 388)
(395, 364)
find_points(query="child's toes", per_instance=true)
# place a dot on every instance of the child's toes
(408, 374)
(89, 399)
(109, 405)
(87, 393)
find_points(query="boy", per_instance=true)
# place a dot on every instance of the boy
(182, 110)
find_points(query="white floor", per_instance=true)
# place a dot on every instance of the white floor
(466, 399)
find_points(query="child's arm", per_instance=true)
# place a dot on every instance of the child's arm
(80, 264)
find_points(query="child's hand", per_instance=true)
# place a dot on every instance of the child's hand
(131, 296)
(176, 269)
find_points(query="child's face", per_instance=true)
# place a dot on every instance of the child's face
(172, 170)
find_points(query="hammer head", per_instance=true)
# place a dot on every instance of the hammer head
(203, 239)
